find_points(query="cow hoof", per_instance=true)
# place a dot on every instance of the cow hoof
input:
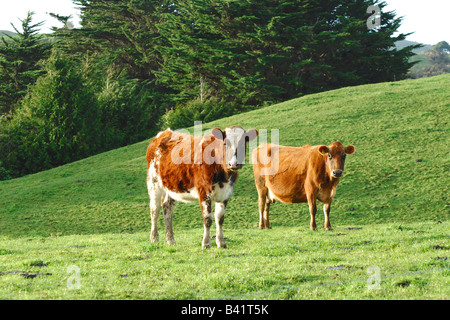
(221, 243)
(154, 240)
(171, 242)
(206, 244)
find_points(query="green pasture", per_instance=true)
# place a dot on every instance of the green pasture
(390, 214)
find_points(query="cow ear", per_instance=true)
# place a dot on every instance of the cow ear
(219, 134)
(349, 149)
(251, 134)
(323, 150)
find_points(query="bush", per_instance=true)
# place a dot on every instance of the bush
(128, 112)
(70, 114)
(58, 122)
(4, 174)
(184, 116)
(22, 147)
(67, 110)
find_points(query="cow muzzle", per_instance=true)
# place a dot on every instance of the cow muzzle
(337, 173)
(234, 167)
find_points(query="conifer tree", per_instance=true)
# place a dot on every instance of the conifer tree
(255, 51)
(57, 122)
(123, 30)
(20, 55)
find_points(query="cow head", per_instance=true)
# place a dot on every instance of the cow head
(336, 154)
(234, 141)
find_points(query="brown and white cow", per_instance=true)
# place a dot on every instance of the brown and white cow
(186, 168)
(304, 174)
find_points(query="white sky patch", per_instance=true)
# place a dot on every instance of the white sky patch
(427, 19)
(17, 9)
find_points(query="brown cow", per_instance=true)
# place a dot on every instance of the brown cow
(304, 174)
(186, 168)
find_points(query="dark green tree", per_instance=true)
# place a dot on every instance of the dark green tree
(20, 55)
(119, 40)
(115, 46)
(254, 51)
(125, 30)
(58, 121)
(208, 53)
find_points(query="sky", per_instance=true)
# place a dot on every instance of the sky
(13, 10)
(427, 19)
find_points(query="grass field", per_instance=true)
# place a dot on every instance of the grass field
(391, 211)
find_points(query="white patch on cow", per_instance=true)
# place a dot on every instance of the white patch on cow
(190, 196)
(233, 136)
(157, 158)
(154, 184)
(153, 180)
(204, 206)
(221, 194)
(325, 210)
(152, 177)
(235, 133)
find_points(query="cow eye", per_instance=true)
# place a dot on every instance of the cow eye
(329, 156)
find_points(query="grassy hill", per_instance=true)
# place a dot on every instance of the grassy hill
(3, 32)
(392, 125)
(404, 43)
(395, 188)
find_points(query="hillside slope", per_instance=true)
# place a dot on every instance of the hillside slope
(399, 173)
(6, 32)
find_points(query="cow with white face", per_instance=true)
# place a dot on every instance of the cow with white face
(235, 147)
(186, 168)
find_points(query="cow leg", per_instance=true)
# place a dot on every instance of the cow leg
(155, 194)
(168, 207)
(326, 211)
(312, 211)
(219, 217)
(205, 204)
(266, 214)
(263, 205)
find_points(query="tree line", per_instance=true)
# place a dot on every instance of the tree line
(136, 66)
